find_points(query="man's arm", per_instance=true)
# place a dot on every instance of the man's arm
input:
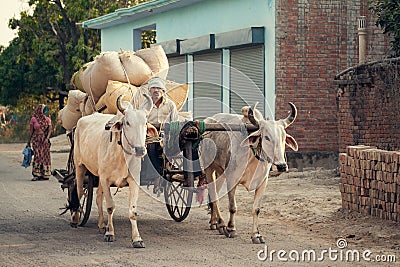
(173, 115)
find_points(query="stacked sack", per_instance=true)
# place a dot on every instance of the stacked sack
(125, 66)
(111, 74)
(71, 113)
(107, 103)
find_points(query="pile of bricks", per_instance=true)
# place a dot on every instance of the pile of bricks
(370, 181)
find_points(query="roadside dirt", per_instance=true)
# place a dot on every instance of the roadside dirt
(301, 211)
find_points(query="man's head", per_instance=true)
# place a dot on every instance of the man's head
(156, 88)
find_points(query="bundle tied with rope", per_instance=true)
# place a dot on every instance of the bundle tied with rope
(177, 133)
(113, 73)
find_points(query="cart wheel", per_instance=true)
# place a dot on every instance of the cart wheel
(178, 199)
(86, 200)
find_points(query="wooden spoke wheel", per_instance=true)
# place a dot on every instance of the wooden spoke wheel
(85, 204)
(178, 195)
(178, 199)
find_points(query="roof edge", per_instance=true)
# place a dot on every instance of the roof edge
(138, 11)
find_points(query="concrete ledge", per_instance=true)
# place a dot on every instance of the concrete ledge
(301, 160)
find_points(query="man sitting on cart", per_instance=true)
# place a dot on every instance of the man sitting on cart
(164, 110)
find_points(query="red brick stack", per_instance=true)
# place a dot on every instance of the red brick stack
(370, 181)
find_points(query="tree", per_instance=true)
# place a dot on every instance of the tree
(387, 13)
(51, 45)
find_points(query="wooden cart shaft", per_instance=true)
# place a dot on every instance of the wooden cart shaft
(214, 126)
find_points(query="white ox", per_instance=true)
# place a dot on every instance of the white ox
(236, 163)
(108, 157)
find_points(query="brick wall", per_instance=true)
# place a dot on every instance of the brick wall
(369, 105)
(315, 40)
(370, 181)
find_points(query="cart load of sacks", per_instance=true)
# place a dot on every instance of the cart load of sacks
(111, 74)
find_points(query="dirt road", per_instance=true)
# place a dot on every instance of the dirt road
(301, 213)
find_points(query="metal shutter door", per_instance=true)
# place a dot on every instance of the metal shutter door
(247, 78)
(177, 72)
(177, 69)
(207, 82)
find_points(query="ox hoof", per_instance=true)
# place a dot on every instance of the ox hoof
(102, 230)
(222, 230)
(73, 224)
(138, 244)
(213, 226)
(230, 233)
(258, 240)
(108, 238)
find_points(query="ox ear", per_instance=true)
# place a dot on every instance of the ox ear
(291, 142)
(116, 127)
(115, 124)
(252, 139)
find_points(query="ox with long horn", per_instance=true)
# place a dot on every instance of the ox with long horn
(119, 104)
(292, 116)
(146, 106)
(251, 117)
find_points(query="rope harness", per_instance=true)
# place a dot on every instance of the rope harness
(149, 140)
(120, 142)
(259, 153)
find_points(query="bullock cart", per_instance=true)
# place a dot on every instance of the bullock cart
(178, 173)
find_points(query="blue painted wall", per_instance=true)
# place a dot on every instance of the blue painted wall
(203, 18)
(211, 16)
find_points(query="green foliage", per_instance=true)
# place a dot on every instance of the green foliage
(51, 45)
(148, 38)
(17, 128)
(387, 13)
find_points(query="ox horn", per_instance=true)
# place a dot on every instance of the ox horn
(147, 104)
(119, 104)
(292, 116)
(252, 119)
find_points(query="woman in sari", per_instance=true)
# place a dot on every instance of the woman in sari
(39, 135)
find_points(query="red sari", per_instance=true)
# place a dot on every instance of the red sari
(41, 125)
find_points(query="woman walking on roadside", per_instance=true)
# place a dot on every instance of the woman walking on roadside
(39, 135)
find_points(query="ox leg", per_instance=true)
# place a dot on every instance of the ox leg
(109, 235)
(137, 241)
(80, 176)
(99, 201)
(230, 230)
(256, 237)
(212, 192)
(216, 220)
